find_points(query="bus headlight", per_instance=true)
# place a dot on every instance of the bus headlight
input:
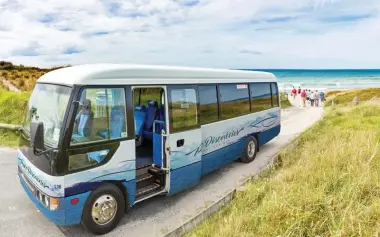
(54, 203)
(48, 202)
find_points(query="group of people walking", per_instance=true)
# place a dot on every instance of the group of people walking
(310, 96)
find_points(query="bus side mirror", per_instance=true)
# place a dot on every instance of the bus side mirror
(37, 135)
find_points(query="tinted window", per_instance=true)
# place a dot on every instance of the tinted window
(260, 96)
(274, 95)
(234, 100)
(208, 100)
(183, 108)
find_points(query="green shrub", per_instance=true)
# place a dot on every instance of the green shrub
(12, 106)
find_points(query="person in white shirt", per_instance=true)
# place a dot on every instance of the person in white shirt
(312, 98)
(316, 98)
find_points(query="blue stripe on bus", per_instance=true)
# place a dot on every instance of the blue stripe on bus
(222, 156)
(185, 177)
(82, 188)
(90, 186)
(268, 135)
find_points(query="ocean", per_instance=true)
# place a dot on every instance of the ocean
(337, 79)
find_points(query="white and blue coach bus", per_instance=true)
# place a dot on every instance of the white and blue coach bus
(98, 139)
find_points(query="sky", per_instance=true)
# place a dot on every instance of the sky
(202, 33)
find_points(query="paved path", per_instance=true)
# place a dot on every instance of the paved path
(9, 85)
(154, 217)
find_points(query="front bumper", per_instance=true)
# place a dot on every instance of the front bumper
(66, 214)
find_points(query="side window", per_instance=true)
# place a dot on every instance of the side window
(183, 108)
(101, 116)
(274, 95)
(260, 96)
(234, 100)
(208, 100)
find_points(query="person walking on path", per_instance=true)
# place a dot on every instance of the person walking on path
(303, 97)
(312, 98)
(322, 96)
(294, 93)
(316, 99)
(299, 90)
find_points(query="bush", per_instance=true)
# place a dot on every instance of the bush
(12, 106)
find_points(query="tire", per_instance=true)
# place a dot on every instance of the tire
(106, 195)
(248, 154)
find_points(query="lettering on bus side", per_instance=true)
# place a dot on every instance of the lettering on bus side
(212, 140)
(35, 176)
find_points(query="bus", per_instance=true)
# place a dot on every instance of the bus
(99, 138)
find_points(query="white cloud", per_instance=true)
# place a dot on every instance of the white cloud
(209, 33)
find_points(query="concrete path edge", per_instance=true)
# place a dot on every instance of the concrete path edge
(190, 224)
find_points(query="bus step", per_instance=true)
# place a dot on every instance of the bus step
(159, 174)
(144, 180)
(147, 190)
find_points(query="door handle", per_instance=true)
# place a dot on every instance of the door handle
(180, 142)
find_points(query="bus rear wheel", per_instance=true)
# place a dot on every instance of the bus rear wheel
(250, 150)
(103, 209)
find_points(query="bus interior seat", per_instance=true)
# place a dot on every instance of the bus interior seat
(151, 114)
(117, 122)
(140, 116)
(83, 121)
(162, 113)
(117, 118)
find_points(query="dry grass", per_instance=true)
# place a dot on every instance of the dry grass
(24, 78)
(327, 186)
(346, 97)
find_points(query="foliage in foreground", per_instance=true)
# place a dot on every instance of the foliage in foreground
(12, 106)
(285, 103)
(327, 186)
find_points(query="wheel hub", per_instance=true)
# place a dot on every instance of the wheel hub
(104, 209)
(251, 148)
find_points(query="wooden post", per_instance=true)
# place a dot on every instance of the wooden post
(9, 126)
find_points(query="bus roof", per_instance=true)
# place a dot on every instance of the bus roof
(131, 74)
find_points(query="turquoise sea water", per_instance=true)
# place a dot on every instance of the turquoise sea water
(326, 79)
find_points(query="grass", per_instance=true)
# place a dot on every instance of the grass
(327, 186)
(285, 103)
(12, 106)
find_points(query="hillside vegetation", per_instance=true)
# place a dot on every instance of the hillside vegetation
(346, 97)
(11, 112)
(24, 78)
(327, 186)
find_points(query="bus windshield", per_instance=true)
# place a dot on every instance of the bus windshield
(48, 104)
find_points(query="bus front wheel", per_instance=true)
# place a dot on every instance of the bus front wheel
(250, 150)
(104, 209)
